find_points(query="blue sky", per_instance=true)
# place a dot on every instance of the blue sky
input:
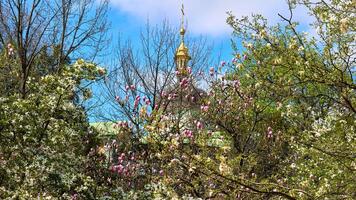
(204, 17)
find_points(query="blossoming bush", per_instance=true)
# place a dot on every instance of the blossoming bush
(44, 137)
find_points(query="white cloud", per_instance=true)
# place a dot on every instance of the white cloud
(205, 16)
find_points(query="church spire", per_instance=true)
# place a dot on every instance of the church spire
(182, 30)
(182, 55)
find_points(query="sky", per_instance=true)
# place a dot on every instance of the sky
(206, 17)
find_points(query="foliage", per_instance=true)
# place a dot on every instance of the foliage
(277, 122)
(45, 135)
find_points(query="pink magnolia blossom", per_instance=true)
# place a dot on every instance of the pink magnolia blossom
(120, 124)
(117, 168)
(120, 168)
(188, 133)
(137, 101)
(133, 87)
(184, 83)
(223, 63)
(199, 125)
(204, 108)
(146, 100)
(245, 57)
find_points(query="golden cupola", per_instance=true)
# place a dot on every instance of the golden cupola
(182, 54)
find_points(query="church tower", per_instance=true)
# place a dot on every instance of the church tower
(182, 54)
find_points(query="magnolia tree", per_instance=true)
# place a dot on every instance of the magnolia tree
(138, 84)
(278, 121)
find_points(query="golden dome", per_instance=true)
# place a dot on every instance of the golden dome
(182, 52)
